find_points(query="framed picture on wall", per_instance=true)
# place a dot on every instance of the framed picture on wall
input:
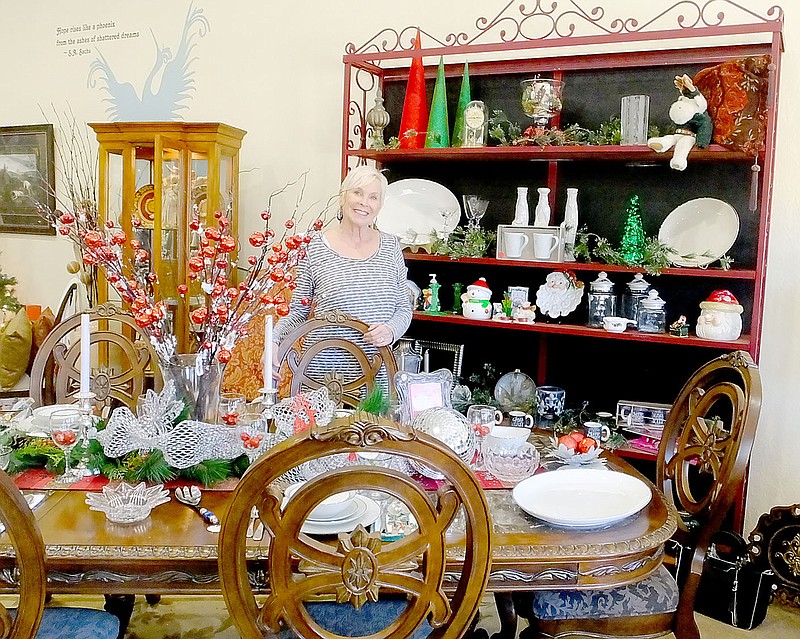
(27, 173)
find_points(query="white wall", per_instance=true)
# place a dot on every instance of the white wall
(274, 69)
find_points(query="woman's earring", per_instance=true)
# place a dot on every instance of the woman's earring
(339, 215)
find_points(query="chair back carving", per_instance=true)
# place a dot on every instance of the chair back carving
(298, 352)
(28, 547)
(359, 567)
(121, 352)
(703, 458)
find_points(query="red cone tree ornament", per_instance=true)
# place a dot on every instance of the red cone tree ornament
(415, 107)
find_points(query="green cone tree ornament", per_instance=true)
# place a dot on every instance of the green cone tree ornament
(438, 135)
(464, 98)
(632, 246)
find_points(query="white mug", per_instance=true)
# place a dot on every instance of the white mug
(515, 244)
(543, 245)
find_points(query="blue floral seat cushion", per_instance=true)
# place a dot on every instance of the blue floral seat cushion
(76, 623)
(655, 595)
(345, 620)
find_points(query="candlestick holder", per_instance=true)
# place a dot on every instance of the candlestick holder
(86, 407)
(269, 397)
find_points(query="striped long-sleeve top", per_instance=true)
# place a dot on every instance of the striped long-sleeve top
(371, 289)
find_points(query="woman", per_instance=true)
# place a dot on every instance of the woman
(356, 269)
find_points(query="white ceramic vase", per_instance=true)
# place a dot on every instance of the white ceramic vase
(570, 224)
(521, 212)
(542, 213)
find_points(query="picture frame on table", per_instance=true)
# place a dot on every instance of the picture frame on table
(27, 175)
(419, 391)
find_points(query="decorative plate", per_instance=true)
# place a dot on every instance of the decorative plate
(699, 231)
(144, 205)
(515, 391)
(415, 208)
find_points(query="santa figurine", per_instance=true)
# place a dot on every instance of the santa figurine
(720, 317)
(477, 301)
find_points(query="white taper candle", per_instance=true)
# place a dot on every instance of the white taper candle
(269, 382)
(86, 353)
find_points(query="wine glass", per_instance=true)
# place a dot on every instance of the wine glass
(231, 406)
(251, 431)
(65, 429)
(474, 209)
(541, 99)
(482, 417)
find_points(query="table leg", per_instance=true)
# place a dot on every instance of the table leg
(507, 616)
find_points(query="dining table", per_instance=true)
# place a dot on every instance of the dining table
(172, 552)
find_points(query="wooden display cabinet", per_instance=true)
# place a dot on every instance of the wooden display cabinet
(162, 173)
(625, 59)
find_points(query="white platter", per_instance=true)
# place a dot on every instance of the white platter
(366, 514)
(41, 415)
(414, 208)
(582, 497)
(700, 231)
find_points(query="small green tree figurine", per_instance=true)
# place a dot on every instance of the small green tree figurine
(633, 240)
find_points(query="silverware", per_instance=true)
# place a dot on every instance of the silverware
(191, 496)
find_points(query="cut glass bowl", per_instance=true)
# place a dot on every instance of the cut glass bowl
(126, 504)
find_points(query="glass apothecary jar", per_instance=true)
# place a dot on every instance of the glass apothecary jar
(652, 317)
(635, 292)
(602, 300)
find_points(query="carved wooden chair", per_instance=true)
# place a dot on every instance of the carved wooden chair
(359, 584)
(701, 465)
(121, 355)
(304, 352)
(31, 618)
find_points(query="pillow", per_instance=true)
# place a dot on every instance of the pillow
(15, 349)
(41, 328)
(737, 101)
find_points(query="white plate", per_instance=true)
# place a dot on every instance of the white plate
(414, 208)
(28, 427)
(41, 415)
(582, 496)
(700, 231)
(366, 514)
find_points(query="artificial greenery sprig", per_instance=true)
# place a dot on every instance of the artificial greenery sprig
(464, 242)
(591, 247)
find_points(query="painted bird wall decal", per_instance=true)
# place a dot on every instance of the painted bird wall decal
(158, 100)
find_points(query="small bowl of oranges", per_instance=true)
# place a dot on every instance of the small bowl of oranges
(576, 449)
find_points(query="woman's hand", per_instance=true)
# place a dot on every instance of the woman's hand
(378, 335)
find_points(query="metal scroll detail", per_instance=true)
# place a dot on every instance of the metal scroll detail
(518, 22)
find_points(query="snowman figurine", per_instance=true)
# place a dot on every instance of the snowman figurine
(477, 301)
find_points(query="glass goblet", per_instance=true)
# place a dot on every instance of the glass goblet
(252, 435)
(231, 406)
(65, 430)
(482, 417)
(474, 209)
(541, 99)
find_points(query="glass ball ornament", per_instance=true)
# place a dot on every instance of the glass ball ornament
(451, 428)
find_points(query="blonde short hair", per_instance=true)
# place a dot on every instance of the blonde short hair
(360, 177)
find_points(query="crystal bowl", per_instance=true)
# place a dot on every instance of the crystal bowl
(126, 504)
(511, 464)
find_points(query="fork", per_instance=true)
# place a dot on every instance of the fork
(191, 496)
